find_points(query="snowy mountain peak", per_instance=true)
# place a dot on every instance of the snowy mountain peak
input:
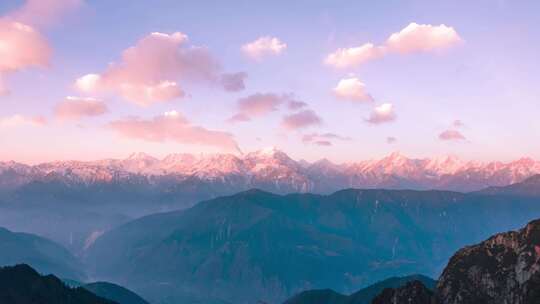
(141, 156)
(271, 168)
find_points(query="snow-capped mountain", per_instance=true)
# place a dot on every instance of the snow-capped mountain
(274, 170)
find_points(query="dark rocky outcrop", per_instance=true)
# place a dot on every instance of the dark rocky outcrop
(502, 269)
(412, 293)
(362, 296)
(21, 284)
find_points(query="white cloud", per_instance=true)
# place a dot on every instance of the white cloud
(352, 89)
(354, 56)
(264, 46)
(413, 38)
(382, 114)
(423, 38)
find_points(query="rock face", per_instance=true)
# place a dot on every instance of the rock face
(504, 269)
(412, 293)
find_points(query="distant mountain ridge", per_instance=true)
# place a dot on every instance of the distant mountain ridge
(114, 293)
(256, 245)
(528, 187)
(42, 254)
(275, 171)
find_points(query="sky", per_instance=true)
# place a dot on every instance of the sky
(342, 80)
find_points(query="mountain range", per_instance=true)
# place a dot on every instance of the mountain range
(258, 246)
(273, 170)
(74, 202)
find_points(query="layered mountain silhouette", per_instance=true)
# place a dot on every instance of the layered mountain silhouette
(365, 295)
(73, 202)
(260, 246)
(21, 284)
(529, 187)
(42, 254)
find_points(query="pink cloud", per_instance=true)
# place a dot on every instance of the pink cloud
(75, 108)
(21, 120)
(257, 105)
(458, 123)
(294, 105)
(300, 120)
(233, 82)
(382, 114)
(451, 135)
(322, 139)
(423, 38)
(150, 70)
(21, 47)
(240, 117)
(264, 46)
(352, 89)
(44, 12)
(413, 38)
(261, 104)
(354, 56)
(172, 126)
(324, 143)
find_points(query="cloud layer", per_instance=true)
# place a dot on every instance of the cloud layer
(263, 47)
(411, 39)
(22, 46)
(322, 139)
(75, 108)
(301, 120)
(149, 71)
(452, 135)
(261, 104)
(21, 120)
(44, 12)
(172, 126)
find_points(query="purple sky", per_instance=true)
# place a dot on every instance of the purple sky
(345, 80)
